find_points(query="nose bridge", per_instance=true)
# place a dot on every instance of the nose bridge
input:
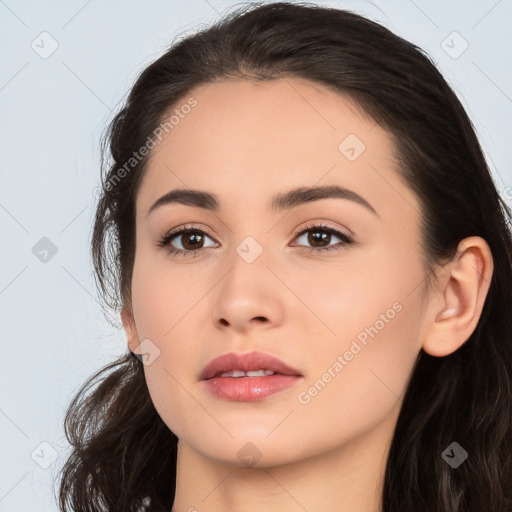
(251, 235)
(254, 235)
(247, 290)
(248, 264)
(250, 249)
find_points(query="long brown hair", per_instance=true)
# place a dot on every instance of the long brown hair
(122, 452)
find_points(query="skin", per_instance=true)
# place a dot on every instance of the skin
(245, 142)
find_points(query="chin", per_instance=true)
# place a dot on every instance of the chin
(250, 451)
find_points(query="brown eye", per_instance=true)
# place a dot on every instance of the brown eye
(191, 240)
(186, 241)
(320, 238)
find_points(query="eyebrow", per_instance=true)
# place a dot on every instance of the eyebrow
(279, 202)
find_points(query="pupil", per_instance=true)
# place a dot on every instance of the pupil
(192, 236)
(313, 238)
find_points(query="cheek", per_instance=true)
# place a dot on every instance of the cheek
(166, 307)
(345, 299)
(356, 381)
(163, 319)
(367, 336)
(163, 300)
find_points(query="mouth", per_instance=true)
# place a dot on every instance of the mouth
(248, 377)
(252, 364)
(240, 373)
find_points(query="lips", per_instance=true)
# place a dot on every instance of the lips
(251, 361)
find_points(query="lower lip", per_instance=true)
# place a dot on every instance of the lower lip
(249, 389)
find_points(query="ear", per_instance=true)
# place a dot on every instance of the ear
(459, 298)
(130, 329)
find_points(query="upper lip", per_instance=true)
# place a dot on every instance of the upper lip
(246, 362)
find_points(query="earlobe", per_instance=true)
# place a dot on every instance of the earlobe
(462, 292)
(130, 328)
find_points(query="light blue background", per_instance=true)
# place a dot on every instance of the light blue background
(53, 111)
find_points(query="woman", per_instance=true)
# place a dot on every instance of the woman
(313, 269)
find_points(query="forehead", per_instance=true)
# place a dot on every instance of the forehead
(247, 139)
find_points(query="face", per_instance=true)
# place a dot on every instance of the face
(330, 285)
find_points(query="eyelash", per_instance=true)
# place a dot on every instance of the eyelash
(346, 240)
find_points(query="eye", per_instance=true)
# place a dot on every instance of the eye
(191, 239)
(322, 234)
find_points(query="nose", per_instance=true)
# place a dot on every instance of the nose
(249, 296)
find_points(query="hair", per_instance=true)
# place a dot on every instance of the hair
(122, 451)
